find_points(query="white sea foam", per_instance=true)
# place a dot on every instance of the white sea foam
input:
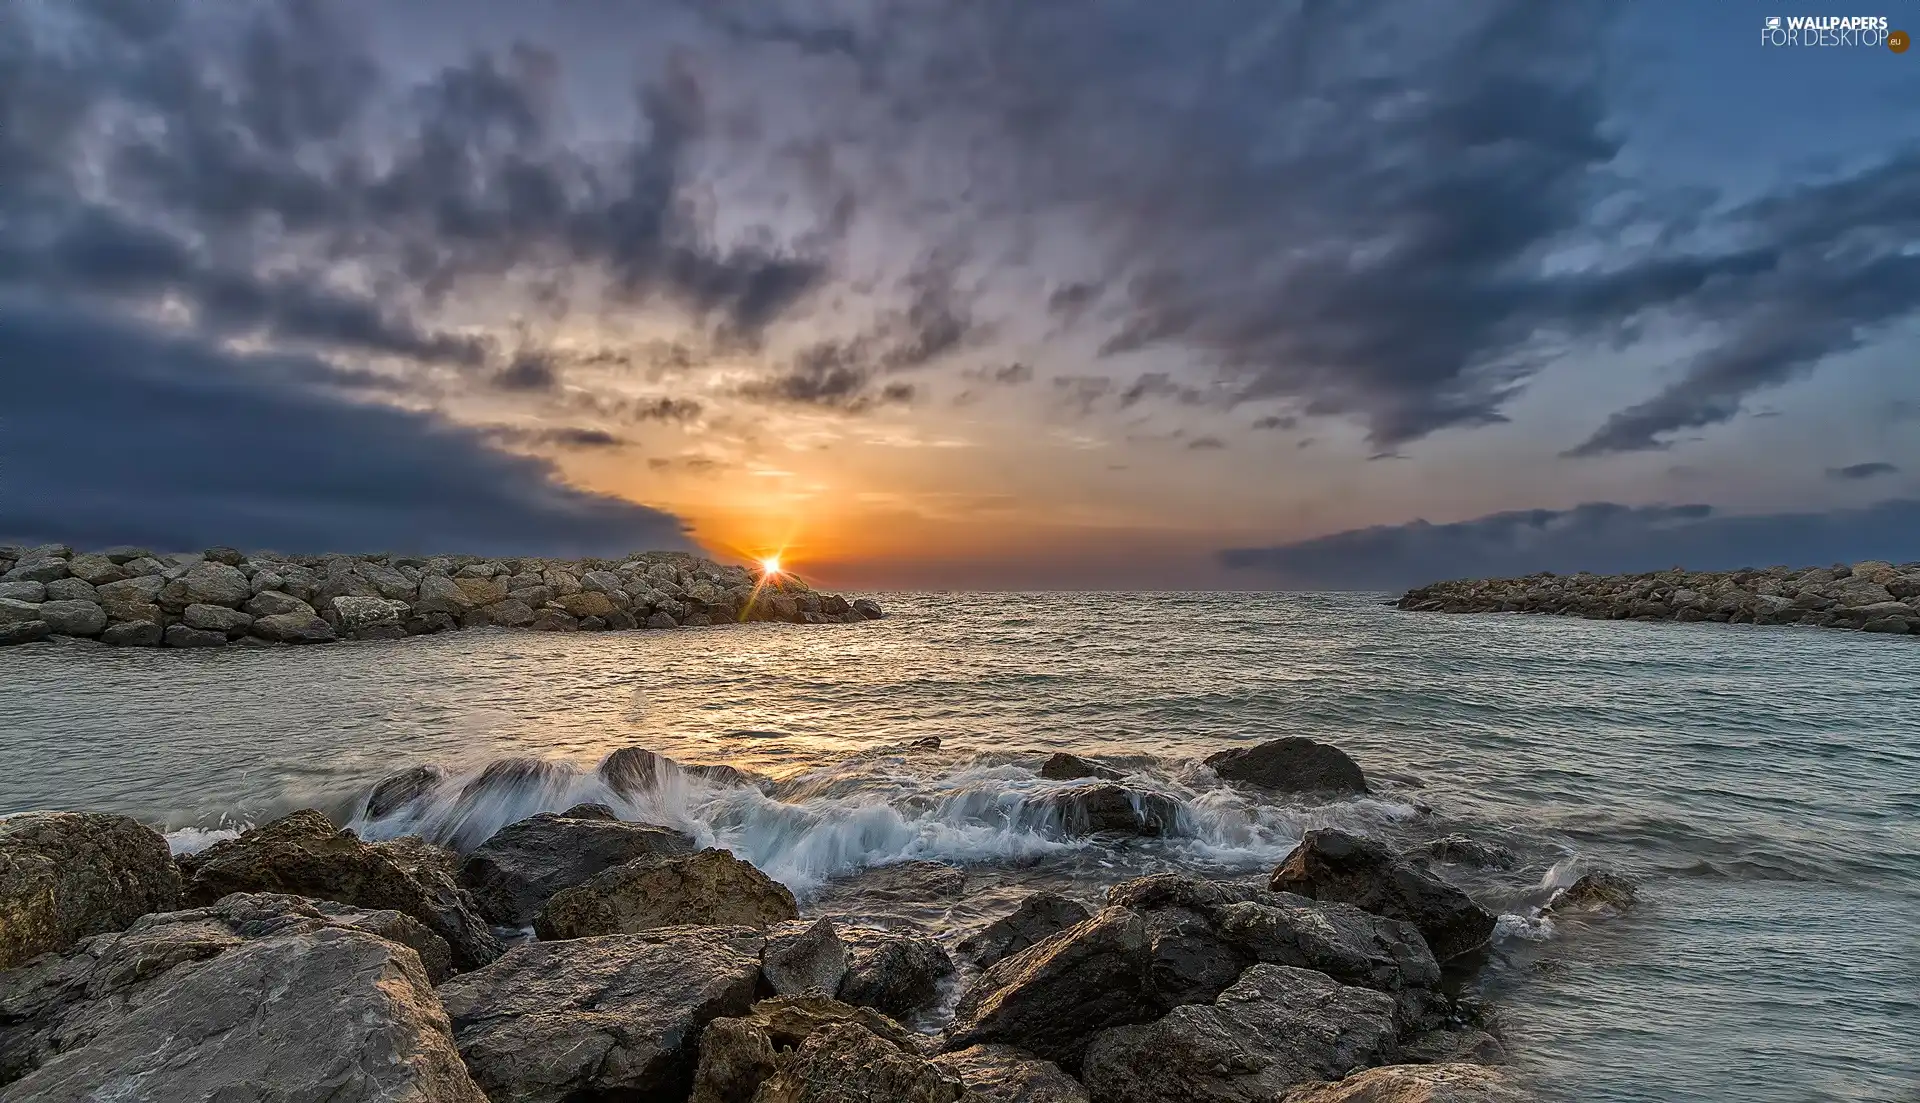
(1530, 928)
(192, 840)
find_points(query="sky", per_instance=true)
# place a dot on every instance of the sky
(964, 294)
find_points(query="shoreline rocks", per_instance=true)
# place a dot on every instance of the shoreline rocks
(1872, 596)
(131, 597)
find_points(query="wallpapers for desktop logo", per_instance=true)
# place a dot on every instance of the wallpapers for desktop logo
(1832, 30)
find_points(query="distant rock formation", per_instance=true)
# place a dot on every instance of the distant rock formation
(1872, 596)
(131, 597)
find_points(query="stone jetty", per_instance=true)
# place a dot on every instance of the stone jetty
(132, 597)
(299, 961)
(1872, 596)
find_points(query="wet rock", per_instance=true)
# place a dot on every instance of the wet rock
(1291, 765)
(292, 628)
(398, 790)
(802, 958)
(1052, 998)
(216, 618)
(30, 593)
(614, 1017)
(366, 618)
(304, 855)
(846, 1063)
(1450, 1083)
(1038, 918)
(1449, 1045)
(1003, 1074)
(896, 974)
(15, 611)
(173, 1009)
(517, 871)
(1335, 866)
(1462, 850)
(1062, 766)
(133, 633)
(553, 620)
(1596, 890)
(711, 887)
(1276, 1027)
(661, 620)
(206, 584)
(67, 875)
(23, 631)
(738, 1055)
(868, 608)
(179, 635)
(73, 618)
(1106, 808)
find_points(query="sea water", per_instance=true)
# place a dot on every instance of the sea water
(1761, 784)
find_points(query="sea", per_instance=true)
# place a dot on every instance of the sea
(1760, 785)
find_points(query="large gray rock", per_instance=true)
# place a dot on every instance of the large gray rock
(896, 974)
(181, 635)
(367, 618)
(804, 958)
(208, 584)
(1276, 1027)
(440, 594)
(132, 599)
(1107, 809)
(737, 1055)
(847, 1063)
(616, 1017)
(516, 871)
(1052, 998)
(1291, 765)
(271, 603)
(95, 569)
(304, 855)
(74, 589)
(73, 618)
(1003, 1074)
(134, 633)
(254, 998)
(66, 875)
(1333, 865)
(31, 593)
(1448, 1083)
(1062, 766)
(23, 631)
(1038, 918)
(217, 618)
(15, 611)
(36, 570)
(402, 788)
(293, 628)
(711, 887)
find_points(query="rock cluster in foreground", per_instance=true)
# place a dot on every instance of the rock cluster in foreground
(300, 962)
(131, 597)
(1871, 597)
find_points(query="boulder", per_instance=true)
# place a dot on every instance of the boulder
(218, 1003)
(132, 599)
(30, 593)
(1291, 765)
(614, 1017)
(73, 618)
(1051, 999)
(738, 1055)
(1106, 808)
(42, 570)
(73, 589)
(1335, 866)
(304, 855)
(1062, 766)
(1038, 918)
(1596, 890)
(896, 974)
(23, 631)
(1450, 1083)
(1275, 1028)
(293, 628)
(179, 635)
(217, 618)
(271, 603)
(66, 875)
(367, 618)
(588, 603)
(804, 958)
(661, 620)
(553, 620)
(868, 608)
(478, 591)
(96, 569)
(847, 1063)
(15, 611)
(208, 584)
(1462, 850)
(133, 633)
(1003, 1074)
(519, 868)
(511, 613)
(709, 888)
(398, 790)
(440, 594)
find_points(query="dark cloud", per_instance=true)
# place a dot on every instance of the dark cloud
(134, 436)
(565, 436)
(1858, 471)
(692, 465)
(1276, 421)
(529, 371)
(1206, 444)
(1599, 536)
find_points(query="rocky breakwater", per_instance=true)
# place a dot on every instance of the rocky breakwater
(298, 961)
(1872, 596)
(131, 597)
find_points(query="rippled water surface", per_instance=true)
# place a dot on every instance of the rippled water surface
(1762, 783)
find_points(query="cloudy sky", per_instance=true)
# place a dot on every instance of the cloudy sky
(962, 293)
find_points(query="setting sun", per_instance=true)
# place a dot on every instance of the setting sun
(771, 564)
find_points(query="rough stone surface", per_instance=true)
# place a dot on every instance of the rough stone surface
(1003, 1074)
(398, 790)
(847, 1063)
(1052, 998)
(1291, 765)
(615, 1017)
(802, 958)
(133, 633)
(180, 635)
(1062, 766)
(738, 1055)
(293, 628)
(1596, 890)
(1448, 1083)
(23, 631)
(515, 872)
(304, 855)
(216, 618)
(896, 974)
(1333, 865)
(1038, 918)
(1107, 809)
(711, 887)
(1276, 1027)
(1462, 850)
(66, 875)
(269, 603)
(218, 1003)
(206, 583)
(73, 617)
(30, 593)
